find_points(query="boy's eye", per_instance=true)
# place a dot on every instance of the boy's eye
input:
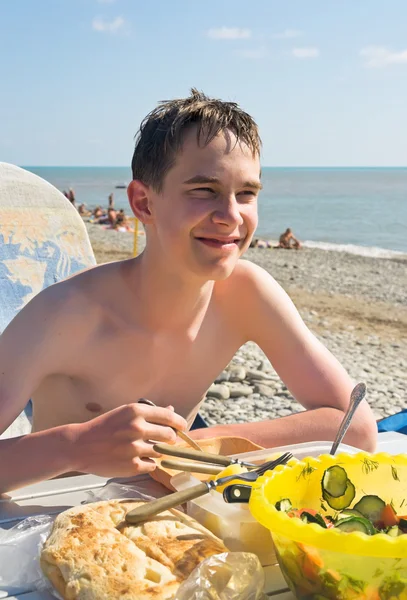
(203, 189)
(248, 194)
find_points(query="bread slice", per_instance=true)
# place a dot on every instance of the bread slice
(93, 554)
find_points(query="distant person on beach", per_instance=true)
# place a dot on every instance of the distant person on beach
(260, 244)
(122, 222)
(168, 321)
(111, 216)
(111, 200)
(83, 211)
(98, 212)
(288, 240)
(71, 196)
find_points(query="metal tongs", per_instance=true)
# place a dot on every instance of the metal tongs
(202, 457)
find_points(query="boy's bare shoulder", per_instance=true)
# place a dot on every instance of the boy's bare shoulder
(247, 277)
(250, 292)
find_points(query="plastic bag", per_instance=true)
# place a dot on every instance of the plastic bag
(20, 548)
(228, 576)
(117, 491)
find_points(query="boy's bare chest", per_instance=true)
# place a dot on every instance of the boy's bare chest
(123, 366)
(163, 367)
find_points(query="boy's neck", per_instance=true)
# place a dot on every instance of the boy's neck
(166, 299)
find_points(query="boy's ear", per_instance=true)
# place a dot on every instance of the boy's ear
(138, 195)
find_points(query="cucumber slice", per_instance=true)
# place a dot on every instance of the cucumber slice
(353, 523)
(334, 481)
(403, 523)
(343, 501)
(309, 518)
(284, 505)
(371, 507)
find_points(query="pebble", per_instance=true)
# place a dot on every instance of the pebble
(237, 374)
(220, 391)
(238, 390)
(258, 375)
(264, 390)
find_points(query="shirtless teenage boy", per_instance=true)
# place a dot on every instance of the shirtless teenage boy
(164, 325)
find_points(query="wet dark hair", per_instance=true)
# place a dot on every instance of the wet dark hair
(162, 132)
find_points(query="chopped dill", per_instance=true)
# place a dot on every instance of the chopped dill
(369, 465)
(306, 472)
(394, 473)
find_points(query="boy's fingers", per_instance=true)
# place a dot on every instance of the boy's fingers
(163, 416)
(160, 434)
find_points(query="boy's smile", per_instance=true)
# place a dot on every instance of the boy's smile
(226, 244)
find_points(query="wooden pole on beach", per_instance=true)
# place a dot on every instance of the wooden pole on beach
(135, 236)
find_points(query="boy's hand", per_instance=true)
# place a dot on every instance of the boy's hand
(118, 443)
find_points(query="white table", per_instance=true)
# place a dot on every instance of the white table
(54, 496)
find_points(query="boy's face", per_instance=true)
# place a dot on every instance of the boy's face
(206, 213)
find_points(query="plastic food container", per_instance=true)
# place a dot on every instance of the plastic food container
(234, 523)
(325, 564)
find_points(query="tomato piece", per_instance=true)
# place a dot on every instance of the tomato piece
(389, 516)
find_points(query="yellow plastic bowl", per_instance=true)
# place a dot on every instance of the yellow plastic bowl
(322, 563)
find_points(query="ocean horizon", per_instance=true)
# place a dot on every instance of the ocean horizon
(361, 210)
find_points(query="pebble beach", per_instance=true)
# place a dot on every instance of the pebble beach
(356, 305)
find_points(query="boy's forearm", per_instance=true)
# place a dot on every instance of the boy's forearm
(320, 424)
(35, 457)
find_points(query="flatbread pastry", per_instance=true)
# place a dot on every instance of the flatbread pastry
(93, 554)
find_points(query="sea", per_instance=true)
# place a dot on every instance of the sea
(357, 210)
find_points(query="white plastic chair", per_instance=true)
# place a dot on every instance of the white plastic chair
(42, 240)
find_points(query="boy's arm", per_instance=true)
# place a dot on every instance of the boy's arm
(26, 358)
(312, 374)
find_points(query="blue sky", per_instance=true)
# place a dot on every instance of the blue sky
(326, 80)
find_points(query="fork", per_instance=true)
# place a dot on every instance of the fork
(154, 507)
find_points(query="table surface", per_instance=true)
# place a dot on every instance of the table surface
(54, 496)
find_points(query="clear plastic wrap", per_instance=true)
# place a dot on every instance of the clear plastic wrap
(20, 548)
(228, 576)
(113, 491)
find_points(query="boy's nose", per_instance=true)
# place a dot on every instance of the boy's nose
(228, 212)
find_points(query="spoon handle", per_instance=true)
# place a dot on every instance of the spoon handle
(356, 397)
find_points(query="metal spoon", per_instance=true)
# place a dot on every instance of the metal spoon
(356, 397)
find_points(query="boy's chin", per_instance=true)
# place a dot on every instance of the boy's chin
(218, 272)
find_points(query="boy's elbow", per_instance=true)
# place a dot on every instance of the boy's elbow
(364, 430)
